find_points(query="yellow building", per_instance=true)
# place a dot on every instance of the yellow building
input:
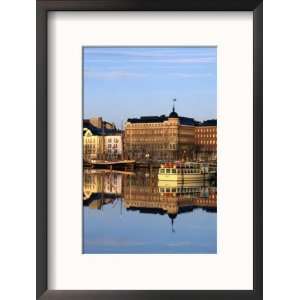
(93, 144)
(92, 184)
(101, 140)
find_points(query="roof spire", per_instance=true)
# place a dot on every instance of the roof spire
(174, 100)
(172, 222)
(173, 114)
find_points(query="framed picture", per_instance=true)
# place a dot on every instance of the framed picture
(149, 149)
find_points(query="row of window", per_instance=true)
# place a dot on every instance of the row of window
(148, 125)
(115, 140)
(153, 146)
(112, 146)
(213, 129)
(91, 140)
(206, 135)
(151, 132)
(179, 190)
(112, 151)
(179, 171)
(207, 142)
(90, 146)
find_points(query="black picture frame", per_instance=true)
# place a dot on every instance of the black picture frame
(43, 7)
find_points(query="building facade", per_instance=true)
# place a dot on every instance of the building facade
(113, 146)
(101, 143)
(160, 137)
(206, 136)
(98, 122)
(93, 144)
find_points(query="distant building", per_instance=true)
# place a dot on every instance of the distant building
(98, 122)
(206, 136)
(160, 137)
(101, 142)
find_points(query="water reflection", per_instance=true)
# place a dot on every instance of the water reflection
(128, 212)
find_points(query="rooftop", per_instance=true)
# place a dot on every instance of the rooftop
(162, 118)
(100, 131)
(212, 122)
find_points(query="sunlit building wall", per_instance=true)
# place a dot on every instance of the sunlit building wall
(113, 146)
(160, 137)
(206, 136)
(93, 145)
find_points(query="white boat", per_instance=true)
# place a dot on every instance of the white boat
(189, 188)
(182, 171)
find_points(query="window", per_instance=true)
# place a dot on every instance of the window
(168, 171)
(173, 171)
(162, 171)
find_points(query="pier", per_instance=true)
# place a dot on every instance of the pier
(125, 164)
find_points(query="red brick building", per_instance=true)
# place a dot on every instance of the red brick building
(206, 136)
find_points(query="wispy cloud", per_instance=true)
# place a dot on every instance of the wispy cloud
(116, 243)
(112, 75)
(170, 56)
(116, 74)
(192, 75)
(192, 60)
(149, 53)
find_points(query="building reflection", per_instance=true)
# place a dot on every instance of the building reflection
(143, 192)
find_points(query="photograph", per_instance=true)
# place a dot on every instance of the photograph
(149, 150)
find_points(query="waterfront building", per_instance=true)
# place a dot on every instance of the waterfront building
(149, 196)
(160, 137)
(92, 184)
(95, 184)
(93, 143)
(100, 142)
(113, 183)
(206, 136)
(113, 145)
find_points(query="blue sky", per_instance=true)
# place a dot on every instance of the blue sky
(126, 82)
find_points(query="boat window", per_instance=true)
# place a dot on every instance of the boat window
(162, 170)
(167, 190)
(168, 171)
(174, 190)
(173, 171)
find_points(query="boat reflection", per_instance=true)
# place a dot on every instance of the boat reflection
(144, 193)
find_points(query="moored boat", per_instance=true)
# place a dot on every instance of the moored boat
(182, 171)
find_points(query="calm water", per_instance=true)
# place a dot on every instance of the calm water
(135, 213)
